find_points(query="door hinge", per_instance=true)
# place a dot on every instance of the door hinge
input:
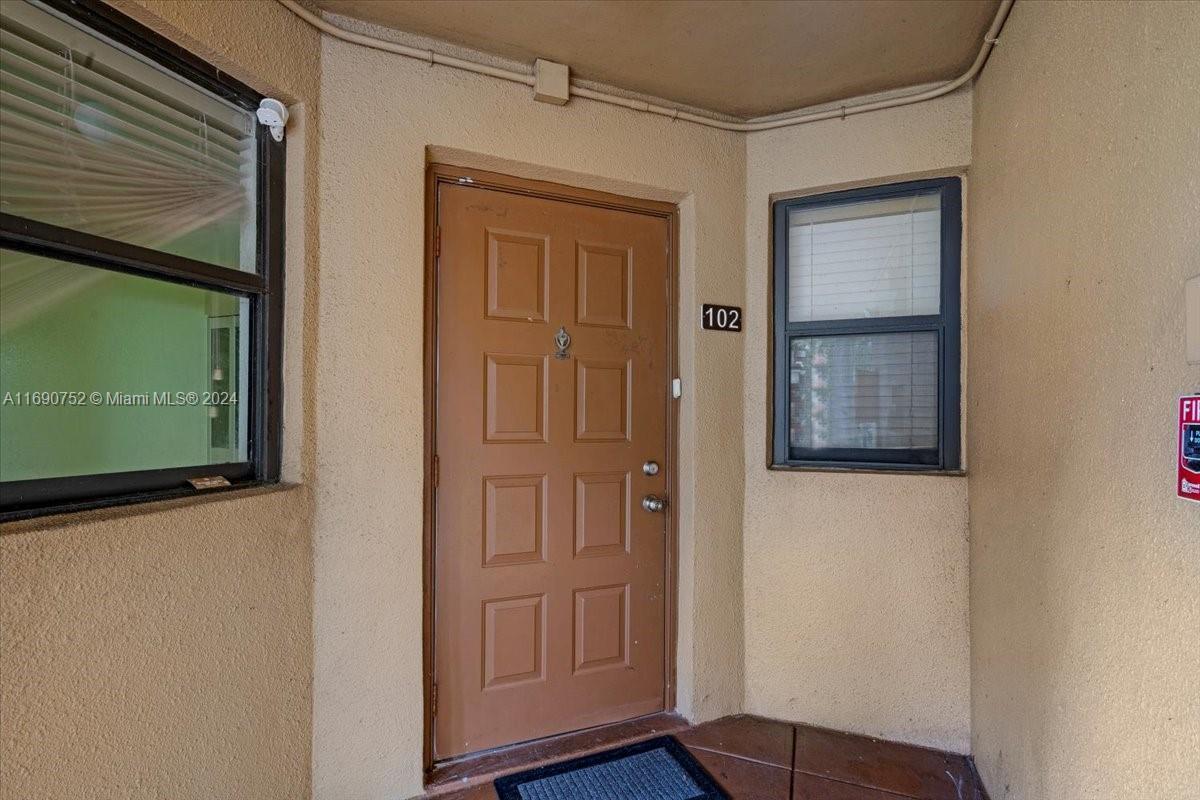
(433, 700)
(437, 471)
(437, 241)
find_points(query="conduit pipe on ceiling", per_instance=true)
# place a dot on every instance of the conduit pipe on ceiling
(743, 126)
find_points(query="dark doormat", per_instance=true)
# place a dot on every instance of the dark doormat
(656, 769)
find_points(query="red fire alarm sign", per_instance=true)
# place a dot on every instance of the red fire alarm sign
(1188, 484)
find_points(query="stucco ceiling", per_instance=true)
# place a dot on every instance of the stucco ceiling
(742, 57)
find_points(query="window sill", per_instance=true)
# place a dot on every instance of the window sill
(952, 473)
(119, 508)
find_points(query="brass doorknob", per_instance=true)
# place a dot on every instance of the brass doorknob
(654, 504)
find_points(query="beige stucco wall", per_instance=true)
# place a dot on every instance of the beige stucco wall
(159, 655)
(855, 584)
(1085, 196)
(166, 650)
(268, 644)
(380, 113)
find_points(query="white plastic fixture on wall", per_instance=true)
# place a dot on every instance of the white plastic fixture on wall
(798, 117)
(274, 115)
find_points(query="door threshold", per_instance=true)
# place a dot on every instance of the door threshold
(487, 765)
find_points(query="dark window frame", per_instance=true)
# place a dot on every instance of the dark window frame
(263, 288)
(947, 325)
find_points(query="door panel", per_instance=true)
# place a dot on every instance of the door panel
(549, 606)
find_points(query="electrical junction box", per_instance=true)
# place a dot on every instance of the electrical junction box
(552, 82)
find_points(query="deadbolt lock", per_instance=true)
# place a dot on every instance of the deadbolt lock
(650, 468)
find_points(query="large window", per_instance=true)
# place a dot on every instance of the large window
(866, 328)
(140, 265)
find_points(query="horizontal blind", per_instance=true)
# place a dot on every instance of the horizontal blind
(864, 391)
(100, 140)
(876, 258)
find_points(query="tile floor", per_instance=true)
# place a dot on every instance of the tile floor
(753, 758)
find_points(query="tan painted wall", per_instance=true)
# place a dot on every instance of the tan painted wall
(167, 651)
(159, 655)
(1085, 609)
(177, 643)
(380, 113)
(855, 584)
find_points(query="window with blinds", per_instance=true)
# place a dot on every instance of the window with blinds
(99, 139)
(867, 329)
(141, 248)
(877, 258)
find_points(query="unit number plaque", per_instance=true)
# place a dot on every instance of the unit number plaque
(720, 318)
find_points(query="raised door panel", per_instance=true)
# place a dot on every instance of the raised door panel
(517, 270)
(603, 390)
(514, 641)
(601, 629)
(603, 285)
(602, 512)
(515, 398)
(514, 520)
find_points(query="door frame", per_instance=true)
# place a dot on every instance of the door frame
(436, 175)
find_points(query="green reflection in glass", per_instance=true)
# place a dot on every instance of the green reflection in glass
(105, 372)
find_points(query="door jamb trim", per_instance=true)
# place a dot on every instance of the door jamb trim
(436, 175)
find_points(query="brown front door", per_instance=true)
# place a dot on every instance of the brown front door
(550, 577)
